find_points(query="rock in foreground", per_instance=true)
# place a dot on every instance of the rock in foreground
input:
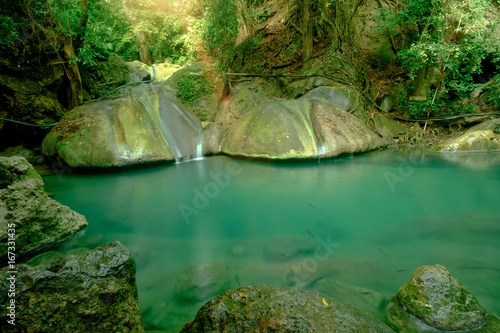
(92, 292)
(436, 299)
(276, 309)
(27, 214)
(14, 169)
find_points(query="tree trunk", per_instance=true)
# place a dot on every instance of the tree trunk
(307, 37)
(82, 26)
(144, 52)
(75, 95)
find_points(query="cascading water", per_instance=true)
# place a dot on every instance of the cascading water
(182, 128)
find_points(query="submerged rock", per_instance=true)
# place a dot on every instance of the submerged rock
(37, 219)
(367, 300)
(315, 125)
(266, 308)
(16, 168)
(148, 125)
(203, 280)
(92, 292)
(436, 299)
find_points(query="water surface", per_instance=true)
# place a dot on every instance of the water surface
(381, 215)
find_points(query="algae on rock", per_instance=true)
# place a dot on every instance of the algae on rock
(91, 292)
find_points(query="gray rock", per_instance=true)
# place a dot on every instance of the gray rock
(38, 219)
(202, 280)
(92, 292)
(437, 299)
(16, 168)
(480, 138)
(276, 309)
(19, 151)
(387, 127)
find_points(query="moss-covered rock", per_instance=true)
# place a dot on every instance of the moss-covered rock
(147, 125)
(438, 300)
(92, 292)
(315, 125)
(276, 309)
(202, 280)
(14, 169)
(388, 128)
(38, 220)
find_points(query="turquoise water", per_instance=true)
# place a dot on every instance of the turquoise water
(368, 220)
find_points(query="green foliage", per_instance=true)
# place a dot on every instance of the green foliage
(431, 26)
(112, 27)
(9, 34)
(221, 28)
(190, 87)
(494, 92)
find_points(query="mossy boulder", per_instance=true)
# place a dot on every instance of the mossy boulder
(147, 125)
(202, 280)
(38, 219)
(437, 299)
(313, 126)
(14, 169)
(91, 292)
(277, 309)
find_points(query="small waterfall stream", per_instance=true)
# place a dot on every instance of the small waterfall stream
(182, 128)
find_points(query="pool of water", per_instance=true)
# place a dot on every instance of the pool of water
(368, 220)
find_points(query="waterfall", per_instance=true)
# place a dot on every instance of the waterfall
(182, 128)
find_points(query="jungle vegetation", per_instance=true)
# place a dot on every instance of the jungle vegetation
(79, 33)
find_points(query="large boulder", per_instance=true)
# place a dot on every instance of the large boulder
(92, 292)
(146, 125)
(434, 298)
(276, 309)
(28, 217)
(202, 280)
(480, 138)
(37, 219)
(14, 169)
(313, 126)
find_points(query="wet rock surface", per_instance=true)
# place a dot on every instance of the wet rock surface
(434, 298)
(276, 309)
(147, 125)
(315, 125)
(91, 292)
